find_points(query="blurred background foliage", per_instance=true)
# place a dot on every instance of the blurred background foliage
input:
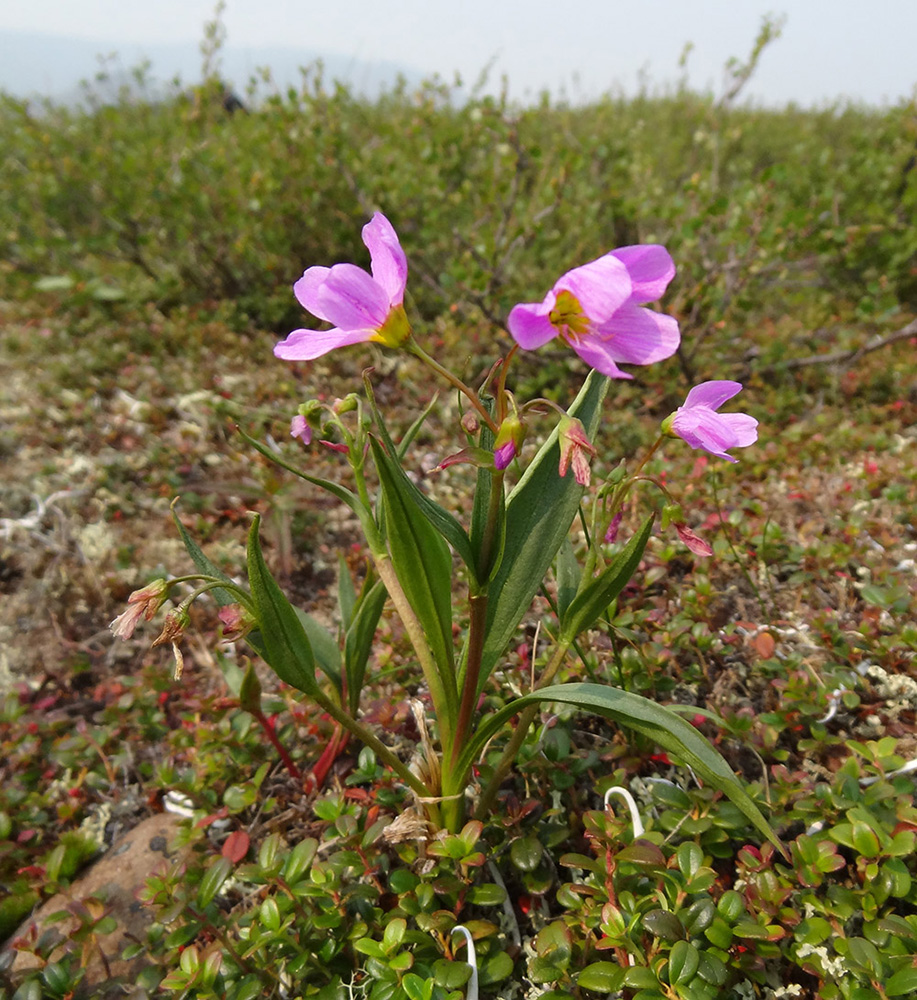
(178, 201)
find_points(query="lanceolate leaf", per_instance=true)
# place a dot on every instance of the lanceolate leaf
(359, 639)
(539, 513)
(439, 518)
(659, 724)
(222, 597)
(325, 647)
(591, 602)
(286, 645)
(421, 559)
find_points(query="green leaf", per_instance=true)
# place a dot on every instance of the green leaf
(213, 878)
(347, 595)
(601, 977)
(539, 512)
(653, 721)
(203, 564)
(287, 649)
(567, 572)
(684, 959)
(358, 642)
(903, 982)
(592, 602)
(324, 647)
(420, 557)
(335, 489)
(444, 523)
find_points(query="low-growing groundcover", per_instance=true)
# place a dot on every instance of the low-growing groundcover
(791, 649)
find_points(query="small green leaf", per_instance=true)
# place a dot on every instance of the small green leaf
(213, 878)
(684, 960)
(601, 977)
(690, 857)
(902, 983)
(526, 852)
(664, 924)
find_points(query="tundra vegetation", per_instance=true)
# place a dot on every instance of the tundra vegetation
(148, 253)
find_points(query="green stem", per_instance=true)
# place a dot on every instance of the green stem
(512, 748)
(368, 738)
(477, 624)
(454, 380)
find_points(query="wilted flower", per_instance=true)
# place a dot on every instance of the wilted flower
(694, 542)
(597, 310)
(360, 307)
(142, 603)
(575, 448)
(698, 423)
(173, 631)
(236, 621)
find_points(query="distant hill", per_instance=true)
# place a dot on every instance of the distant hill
(37, 64)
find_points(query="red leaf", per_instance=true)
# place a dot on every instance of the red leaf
(235, 846)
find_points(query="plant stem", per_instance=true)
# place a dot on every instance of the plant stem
(368, 738)
(454, 380)
(518, 738)
(271, 734)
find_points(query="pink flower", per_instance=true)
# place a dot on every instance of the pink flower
(698, 423)
(299, 428)
(143, 603)
(575, 448)
(360, 307)
(508, 442)
(612, 533)
(597, 310)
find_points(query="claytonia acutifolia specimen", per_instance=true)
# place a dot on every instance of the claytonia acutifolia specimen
(597, 309)
(575, 449)
(143, 603)
(698, 423)
(360, 307)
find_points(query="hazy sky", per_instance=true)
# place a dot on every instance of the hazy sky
(861, 49)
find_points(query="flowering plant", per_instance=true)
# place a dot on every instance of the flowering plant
(506, 548)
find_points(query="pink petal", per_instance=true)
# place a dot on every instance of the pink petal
(694, 542)
(351, 299)
(599, 355)
(640, 336)
(529, 323)
(300, 428)
(712, 394)
(742, 427)
(305, 345)
(389, 263)
(650, 267)
(307, 288)
(601, 287)
(703, 428)
(504, 455)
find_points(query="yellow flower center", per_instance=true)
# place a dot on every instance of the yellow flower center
(395, 330)
(568, 317)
